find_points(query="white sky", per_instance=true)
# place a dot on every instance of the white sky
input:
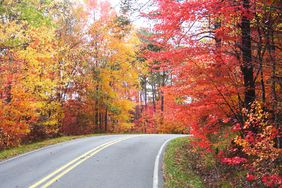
(135, 17)
(137, 20)
(115, 3)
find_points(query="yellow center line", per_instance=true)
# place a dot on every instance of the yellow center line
(66, 165)
(72, 164)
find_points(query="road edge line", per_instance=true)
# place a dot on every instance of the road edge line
(157, 164)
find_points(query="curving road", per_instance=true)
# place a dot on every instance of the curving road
(114, 161)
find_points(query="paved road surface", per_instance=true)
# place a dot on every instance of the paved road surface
(114, 161)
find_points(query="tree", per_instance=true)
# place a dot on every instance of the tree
(215, 51)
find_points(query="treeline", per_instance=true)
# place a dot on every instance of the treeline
(221, 62)
(154, 111)
(66, 68)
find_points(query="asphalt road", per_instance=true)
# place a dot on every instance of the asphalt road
(114, 161)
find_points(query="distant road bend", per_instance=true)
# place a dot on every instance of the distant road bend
(113, 161)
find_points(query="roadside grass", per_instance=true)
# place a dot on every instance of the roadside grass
(12, 152)
(177, 171)
(186, 167)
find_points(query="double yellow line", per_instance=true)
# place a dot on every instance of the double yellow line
(57, 174)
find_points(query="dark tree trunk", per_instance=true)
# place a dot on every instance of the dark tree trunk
(162, 94)
(260, 58)
(274, 98)
(218, 58)
(247, 66)
(145, 93)
(96, 118)
(154, 96)
(106, 120)
(101, 122)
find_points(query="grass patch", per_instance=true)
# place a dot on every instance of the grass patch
(177, 172)
(186, 167)
(8, 153)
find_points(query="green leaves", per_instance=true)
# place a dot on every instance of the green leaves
(34, 16)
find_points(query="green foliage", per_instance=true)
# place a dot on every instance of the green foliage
(31, 13)
(177, 171)
(185, 166)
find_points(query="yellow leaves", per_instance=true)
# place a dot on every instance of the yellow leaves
(12, 34)
(46, 67)
(115, 70)
(257, 140)
(38, 80)
(126, 126)
(241, 142)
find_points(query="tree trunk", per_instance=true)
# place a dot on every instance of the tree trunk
(274, 99)
(260, 58)
(101, 121)
(106, 120)
(162, 94)
(96, 118)
(247, 66)
(154, 96)
(145, 92)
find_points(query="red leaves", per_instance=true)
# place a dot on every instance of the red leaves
(204, 58)
(234, 160)
(75, 119)
(272, 180)
(236, 127)
(250, 177)
(250, 137)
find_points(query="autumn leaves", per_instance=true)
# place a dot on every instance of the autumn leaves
(66, 68)
(221, 54)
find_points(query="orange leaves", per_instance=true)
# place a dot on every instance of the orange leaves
(258, 144)
(58, 73)
(258, 136)
(15, 117)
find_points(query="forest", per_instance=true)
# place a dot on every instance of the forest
(209, 68)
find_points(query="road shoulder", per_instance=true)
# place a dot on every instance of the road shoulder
(177, 172)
